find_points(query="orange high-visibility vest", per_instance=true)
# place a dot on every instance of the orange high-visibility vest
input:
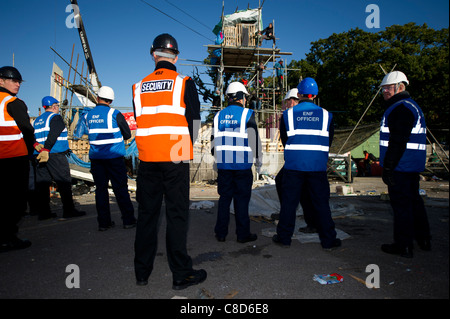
(12, 143)
(162, 133)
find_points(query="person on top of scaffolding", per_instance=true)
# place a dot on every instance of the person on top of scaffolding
(267, 34)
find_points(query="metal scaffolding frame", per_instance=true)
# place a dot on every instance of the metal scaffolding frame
(236, 59)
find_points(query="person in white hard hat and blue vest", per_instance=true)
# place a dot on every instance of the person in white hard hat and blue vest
(107, 129)
(403, 136)
(306, 131)
(235, 144)
(50, 130)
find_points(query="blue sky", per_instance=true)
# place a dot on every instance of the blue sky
(120, 33)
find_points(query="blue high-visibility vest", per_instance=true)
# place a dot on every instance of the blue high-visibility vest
(105, 138)
(414, 157)
(308, 143)
(231, 143)
(42, 128)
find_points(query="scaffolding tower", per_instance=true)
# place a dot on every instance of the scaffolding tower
(241, 53)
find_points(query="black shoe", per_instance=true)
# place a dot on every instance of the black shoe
(336, 243)
(196, 277)
(220, 239)
(46, 216)
(277, 241)
(14, 244)
(308, 230)
(129, 226)
(74, 213)
(107, 227)
(251, 237)
(396, 249)
(424, 244)
(141, 282)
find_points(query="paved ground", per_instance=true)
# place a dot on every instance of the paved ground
(258, 270)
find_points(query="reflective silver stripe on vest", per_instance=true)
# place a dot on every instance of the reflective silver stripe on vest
(11, 123)
(417, 129)
(291, 131)
(158, 130)
(175, 108)
(4, 122)
(46, 128)
(109, 129)
(242, 133)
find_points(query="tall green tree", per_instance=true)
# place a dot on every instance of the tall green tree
(347, 69)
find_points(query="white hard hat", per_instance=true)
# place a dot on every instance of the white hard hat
(235, 87)
(394, 78)
(105, 92)
(291, 93)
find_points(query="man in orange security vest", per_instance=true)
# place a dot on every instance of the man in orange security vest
(17, 143)
(166, 106)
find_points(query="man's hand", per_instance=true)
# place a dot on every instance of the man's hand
(43, 156)
(38, 147)
(388, 177)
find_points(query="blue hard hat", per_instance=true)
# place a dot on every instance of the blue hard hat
(308, 86)
(49, 101)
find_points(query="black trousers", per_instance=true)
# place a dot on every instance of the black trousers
(234, 185)
(155, 182)
(13, 188)
(305, 199)
(103, 171)
(294, 184)
(57, 170)
(410, 216)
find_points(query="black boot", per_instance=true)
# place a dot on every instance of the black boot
(396, 249)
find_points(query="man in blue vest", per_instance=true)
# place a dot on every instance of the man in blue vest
(107, 129)
(290, 100)
(306, 131)
(403, 136)
(50, 130)
(235, 143)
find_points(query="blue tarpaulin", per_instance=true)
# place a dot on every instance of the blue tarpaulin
(131, 152)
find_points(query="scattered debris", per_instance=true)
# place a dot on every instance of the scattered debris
(344, 190)
(358, 279)
(231, 294)
(328, 279)
(202, 205)
(205, 294)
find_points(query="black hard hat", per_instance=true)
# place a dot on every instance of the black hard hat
(10, 72)
(165, 41)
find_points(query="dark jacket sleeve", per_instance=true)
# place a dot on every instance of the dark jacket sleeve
(331, 132)
(400, 121)
(56, 127)
(192, 109)
(19, 112)
(283, 132)
(123, 126)
(253, 136)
